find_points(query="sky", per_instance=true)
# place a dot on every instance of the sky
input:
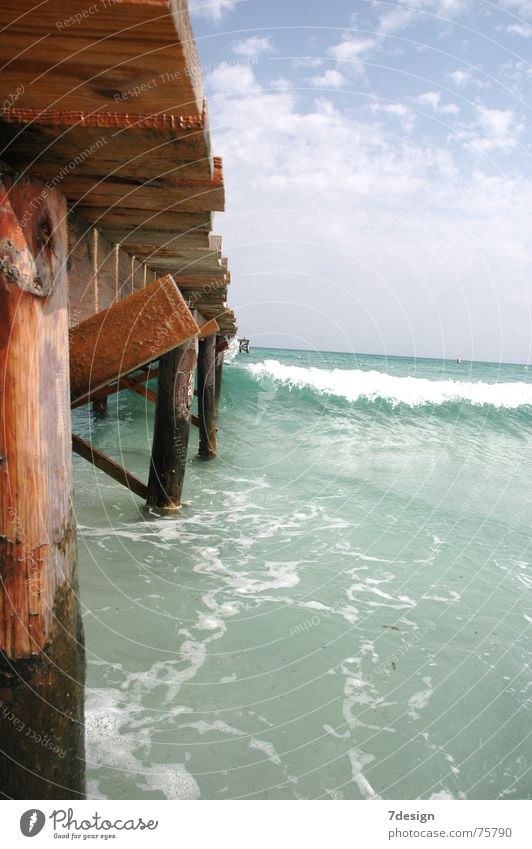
(378, 171)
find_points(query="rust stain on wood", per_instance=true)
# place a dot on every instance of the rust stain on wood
(131, 333)
(35, 475)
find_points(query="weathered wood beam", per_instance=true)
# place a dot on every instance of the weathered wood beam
(138, 388)
(110, 467)
(131, 333)
(130, 56)
(42, 663)
(173, 413)
(117, 387)
(206, 398)
(155, 145)
(178, 195)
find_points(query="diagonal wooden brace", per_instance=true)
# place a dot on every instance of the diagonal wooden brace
(131, 333)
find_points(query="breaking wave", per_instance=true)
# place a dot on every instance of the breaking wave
(355, 384)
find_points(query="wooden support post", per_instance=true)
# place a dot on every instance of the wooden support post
(42, 664)
(99, 406)
(206, 398)
(221, 345)
(173, 413)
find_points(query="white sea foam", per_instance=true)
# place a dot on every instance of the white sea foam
(359, 760)
(373, 385)
(266, 748)
(420, 700)
(113, 745)
(232, 351)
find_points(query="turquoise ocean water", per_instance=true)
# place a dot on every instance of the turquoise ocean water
(342, 607)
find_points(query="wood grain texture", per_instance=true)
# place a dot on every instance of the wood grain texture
(35, 472)
(101, 52)
(133, 332)
(173, 413)
(54, 139)
(207, 398)
(41, 637)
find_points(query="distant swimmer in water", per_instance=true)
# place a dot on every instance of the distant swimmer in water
(459, 359)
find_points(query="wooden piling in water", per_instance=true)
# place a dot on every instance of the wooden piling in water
(221, 346)
(207, 398)
(99, 406)
(173, 414)
(42, 663)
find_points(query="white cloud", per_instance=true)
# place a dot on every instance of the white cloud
(253, 47)
(493, 130)
(282, 84)
(403, 113)
(213, 9)
(433, 99)
(330, 79)
(408, 12)
(460, 78)
(430, 98)
(395, 20)
(450, 108)
(308, 62)
(350, 52)
(523, 7)
(521, 29)
(351, 48)
(465, 79)
(231, 80)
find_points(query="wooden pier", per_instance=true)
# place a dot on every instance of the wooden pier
(110, 277)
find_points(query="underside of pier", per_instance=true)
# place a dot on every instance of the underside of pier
(110, 278)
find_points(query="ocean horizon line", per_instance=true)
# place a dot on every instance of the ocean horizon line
(390, 356)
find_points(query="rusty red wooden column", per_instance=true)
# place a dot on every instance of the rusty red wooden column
(173, 413)
(42, 664)
(207, 397)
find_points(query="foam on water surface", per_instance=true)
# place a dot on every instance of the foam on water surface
(340, 608)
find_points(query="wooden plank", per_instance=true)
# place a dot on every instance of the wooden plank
(124, 383)
(114, 57)
(94, 143)
(110, 467)
(132, 380)
(173, 413)
(133, 332)
(183, 258)
(158, 226)
(41, 637)
(149, 195)
(201, 286)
